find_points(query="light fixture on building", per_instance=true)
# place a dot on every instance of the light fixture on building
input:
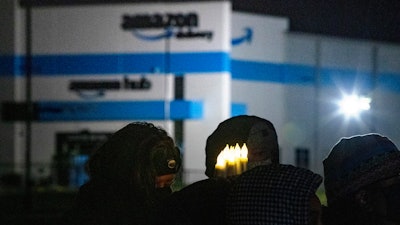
(353, 105)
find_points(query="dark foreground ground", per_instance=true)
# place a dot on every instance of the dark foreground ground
(47, 207)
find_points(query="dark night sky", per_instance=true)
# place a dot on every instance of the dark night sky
(377, 20)
(366, 19)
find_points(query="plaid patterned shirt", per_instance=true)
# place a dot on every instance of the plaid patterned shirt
(275, 194)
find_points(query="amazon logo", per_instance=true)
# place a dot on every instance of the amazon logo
(246, 37)
(179, 25)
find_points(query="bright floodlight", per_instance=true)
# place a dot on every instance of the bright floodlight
(352, 105)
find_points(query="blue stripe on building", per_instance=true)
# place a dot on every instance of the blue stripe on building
(347, 79)
(256, 71)
(199, 62)
(196, 62)
(90, 64)
(389, 81)
(49, 111)
(238, 109)
(11, 65)
(118, 110)
(307, 75)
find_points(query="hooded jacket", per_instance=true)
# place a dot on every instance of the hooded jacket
(122, 172)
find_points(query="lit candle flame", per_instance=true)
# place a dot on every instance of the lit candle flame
(243, 153)
(221, 159)
(230, 157)
(232, 160)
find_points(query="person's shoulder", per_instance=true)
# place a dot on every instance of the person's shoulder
(202, 202)
(202, 188)
(210, 183)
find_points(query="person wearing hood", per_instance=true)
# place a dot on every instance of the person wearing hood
(257, 133)
(130, 174)
(362, 181)
(204, 201)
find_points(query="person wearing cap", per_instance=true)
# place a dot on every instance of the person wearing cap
(130, 174)
(362, 181)
(204, 201)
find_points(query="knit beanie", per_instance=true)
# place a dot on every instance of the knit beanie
(256, 132)
(358, 161)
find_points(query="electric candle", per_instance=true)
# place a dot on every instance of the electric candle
(243, 157)
(221, 162)
(232, 160)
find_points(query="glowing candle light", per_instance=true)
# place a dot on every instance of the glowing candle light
(232, 160)
(221, 159)
(221, 162)
(236, 153)
(243, 157)
(230, 157)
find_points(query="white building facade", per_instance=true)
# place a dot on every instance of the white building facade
(185, 67)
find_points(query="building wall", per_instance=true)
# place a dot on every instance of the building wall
(250, 65)
(298, 82)
(339, 67)
(387, 104)
(12, 86)
(79, 45)
(256, 80)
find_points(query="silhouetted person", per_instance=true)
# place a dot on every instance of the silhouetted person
(258, 133)
(204, 202)
(362, 182)
(275, 195)
(129, 175)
